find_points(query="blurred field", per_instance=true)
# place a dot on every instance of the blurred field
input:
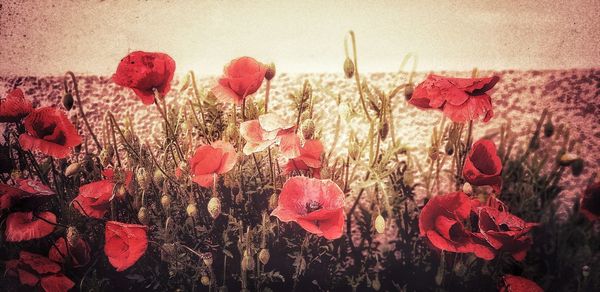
(571, 96)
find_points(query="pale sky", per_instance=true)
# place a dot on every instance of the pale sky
(50, 37)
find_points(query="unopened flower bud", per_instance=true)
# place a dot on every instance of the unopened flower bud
(408, 91)
(353, 151)
(449, 149)
(121, 191)
(207, 258)
(467, 188)
(585, 271)
(159, 177)
(247, 261)
(214, 207)
(165, 201)
(264, 256)
(67, 101)
(141, 176)
(72, 236)
(270, 73)
(577, 167)
(192, 210)
(348, 68)
(548, 128)
(308, 128)
(273, 201)
(143, 216)
(375, 284)
(567, 159)
(205, 280)
(185, 82)
(380, 224)
(383, 132)
(72, 169)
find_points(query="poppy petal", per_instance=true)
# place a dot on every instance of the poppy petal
(22, 226)
(124, 244)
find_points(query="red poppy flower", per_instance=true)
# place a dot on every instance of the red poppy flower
(441, 221)
(309, 158)
(94, 198)
(504, 231)
(14, 107)
(78, 254)
(511, 283)
(316, 205)
(125, 244)
(143, 72)
(33, 269)
(461, 99)
(241, 78)
(264, 132)
(50, 132)
(483, 166)
(22, 226)
(210, 160)
(590, 202)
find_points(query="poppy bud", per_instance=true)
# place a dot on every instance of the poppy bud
(207, 258)
(325, 172)
(467, 188)
(585, 271)
(308, 128)
(375, 284)
(348, 68)
(72, 169)
(143, 216)
(380, 224)
(141, 176)
(567, 159)
(577, 167)
(270, 73)
(433, 154)
(67, 101)
(205, 280)
(273, 200)
(191, 210)
(353, 151)
(121, 191)
(247, 261)
(106, 156)
(159, 177)
(383, 132)
(548, 129)
(408, 91)
(165, 201)
(185, 82)
(214, 207)
(72, 236)
(264, 256)
(167, 251)
(449, 149)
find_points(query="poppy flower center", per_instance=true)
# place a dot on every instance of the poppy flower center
(312, 206)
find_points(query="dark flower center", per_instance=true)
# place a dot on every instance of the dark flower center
(312, 206)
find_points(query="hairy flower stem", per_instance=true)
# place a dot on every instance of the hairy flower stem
(114, 141)
(351, 213)
(81, 112)
(167, 124)
(267, 93)
(357, 77)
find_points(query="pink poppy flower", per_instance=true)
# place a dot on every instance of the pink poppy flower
(94, 198)
(308, 158)
(511, 283)
(262, 133)
(211, 160)
(48, 130)
(33, 269)
(27, 188)
(316, 205)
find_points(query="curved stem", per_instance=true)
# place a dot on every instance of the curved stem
(81, 112)
(168, 125)
(357, 77)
